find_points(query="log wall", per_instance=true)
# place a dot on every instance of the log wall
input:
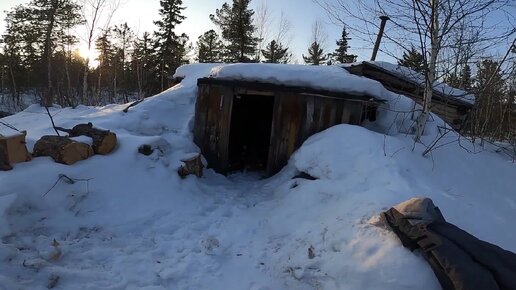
(296, 116)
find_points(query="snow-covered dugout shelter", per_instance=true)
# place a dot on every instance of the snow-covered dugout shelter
(254, 116)
(452, 105)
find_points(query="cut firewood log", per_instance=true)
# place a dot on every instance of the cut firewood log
(62, 149)
(192, 165)
(13, 150)
(104, 141)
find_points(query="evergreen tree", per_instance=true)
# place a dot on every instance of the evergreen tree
(413, 60)
(490, 99)
(316, 55)
(209, 47)
(167, 44)
(276, 53)
(183, 50)
(39, 28)
(16, 54)
(48, 18)
(104, 71)
(144, 65)
(461, 80)
(466, 81)
(341, 53)
(123, 37)
(237, 28)
(452, 79)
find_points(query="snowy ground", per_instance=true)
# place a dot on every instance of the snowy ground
(137, 225)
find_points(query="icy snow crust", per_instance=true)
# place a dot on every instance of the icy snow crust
(137, 225)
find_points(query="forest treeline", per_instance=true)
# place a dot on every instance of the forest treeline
(39, 56)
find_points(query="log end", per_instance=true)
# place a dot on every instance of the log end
(75, 152)
(107, 144)
(62, 149)
(192, 165)
(13, 150)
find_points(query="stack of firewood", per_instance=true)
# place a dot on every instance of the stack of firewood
(63, 149)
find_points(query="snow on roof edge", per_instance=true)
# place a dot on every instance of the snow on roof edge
(418, 79)
(333, 78)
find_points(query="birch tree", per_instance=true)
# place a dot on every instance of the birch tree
(430, 24)
(95, 12)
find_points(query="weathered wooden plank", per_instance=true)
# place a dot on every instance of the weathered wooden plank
(307, 124)
(201, 110)
(225, 128)
(277, 88)
(275, 135)
(356, 113)
(244, 91)
(212, 130)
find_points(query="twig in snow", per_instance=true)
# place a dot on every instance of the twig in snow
(52, 120)
(132, 105)
(10, 126)
(69, 180)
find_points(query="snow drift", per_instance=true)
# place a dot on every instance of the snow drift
(134, 224)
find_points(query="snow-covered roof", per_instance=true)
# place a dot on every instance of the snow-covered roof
(330, 78)
(419, 79)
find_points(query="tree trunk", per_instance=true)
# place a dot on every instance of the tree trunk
(162, 75)
(13, 83)
(62, 149)
(99, 82)
(430, 74)
(86, 65)
(139, 78)
(114, 88)
(85, 81)
(48, 96)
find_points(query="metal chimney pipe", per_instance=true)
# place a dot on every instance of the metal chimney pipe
(379, 37)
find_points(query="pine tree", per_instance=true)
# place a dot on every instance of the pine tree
(237, 28)
(452, 79)
(183, 50)
(209, 47)
(466, 81)
(106, 52)
(413, 60)
(167, 43)
(49, 16)
(316, 55)
(39, 28)
(461, 80)
(144, 65)
(489, 92)
(341, 53)
(276, 53)
(123, 37)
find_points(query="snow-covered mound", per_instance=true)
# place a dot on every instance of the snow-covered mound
(129, 221)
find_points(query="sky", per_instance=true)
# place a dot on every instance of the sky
(140, 14)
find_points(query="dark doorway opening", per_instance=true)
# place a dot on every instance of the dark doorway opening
(250, 133)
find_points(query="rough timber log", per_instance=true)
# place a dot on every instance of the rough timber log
(104, 141)
(13, 150)
(192, 165)
(62, 149)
